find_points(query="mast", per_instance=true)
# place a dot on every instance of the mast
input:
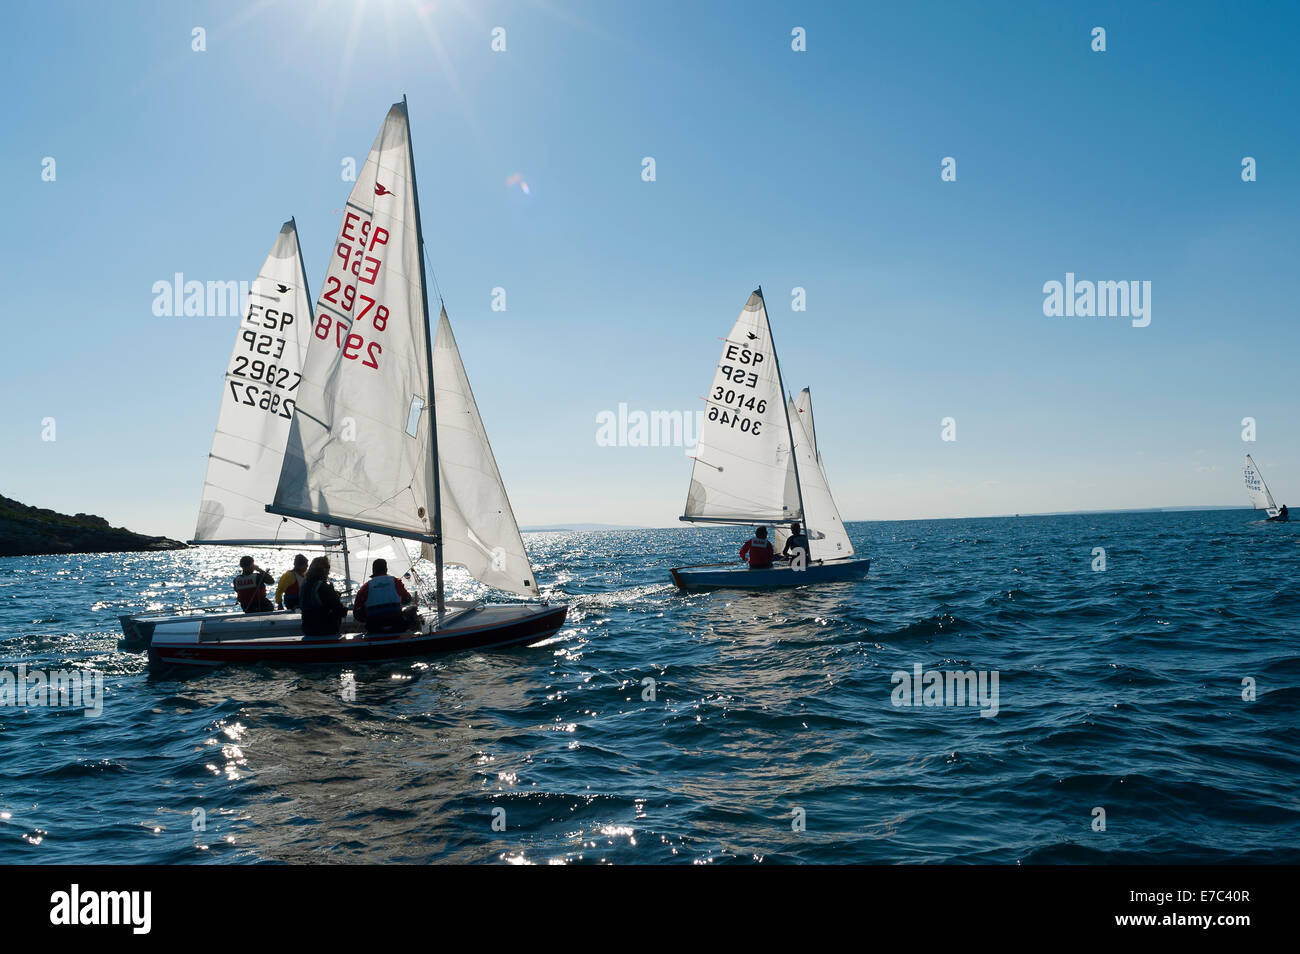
(785, 409)
(428, 356)
(347, 571)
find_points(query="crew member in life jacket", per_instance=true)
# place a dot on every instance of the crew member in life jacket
(758, 550)
(1284, 514)
(322, 610)
(286, 591)
(797, 540)
(250, 587)
(383, 603)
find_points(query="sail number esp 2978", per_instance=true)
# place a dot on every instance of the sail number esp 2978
(360, 251)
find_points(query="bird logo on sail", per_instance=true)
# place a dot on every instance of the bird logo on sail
(381, 190)
(281, 288)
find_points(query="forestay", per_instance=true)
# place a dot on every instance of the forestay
(1257, 490)
(744, 471)
(259, 392)
(827, 538)
(358, 451)
(479, 531)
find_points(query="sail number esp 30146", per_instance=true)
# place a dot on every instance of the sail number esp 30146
(728, 404)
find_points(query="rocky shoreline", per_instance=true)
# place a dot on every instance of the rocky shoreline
(34, 531)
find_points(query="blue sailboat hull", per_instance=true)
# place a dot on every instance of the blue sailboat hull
(731, 576)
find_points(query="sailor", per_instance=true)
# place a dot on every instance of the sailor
(796, 541)
(758, 550)
(286, 591)
(1283, 514)
(383, 603)
(322, 610)
(250, 586)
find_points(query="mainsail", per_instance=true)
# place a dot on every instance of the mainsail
(375, 445)
(827, 538)
(1257, 490)
(259, 393)
(360, 449)
(478, 527)
(744, 471)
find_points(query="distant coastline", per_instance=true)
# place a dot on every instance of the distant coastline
(35, 531)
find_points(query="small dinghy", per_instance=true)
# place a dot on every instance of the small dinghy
(259, 392)
(212, 641)
(385, 439)
(1259, 494)
(757, 462)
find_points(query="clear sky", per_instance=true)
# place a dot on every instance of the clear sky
(818, 169)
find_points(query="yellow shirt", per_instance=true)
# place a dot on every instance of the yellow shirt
(288, 583)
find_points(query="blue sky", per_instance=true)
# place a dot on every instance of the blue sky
(818, 169)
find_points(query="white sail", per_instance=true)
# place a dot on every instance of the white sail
(359, 450)
(801, 409)
(743, 470)
(364, 549)
(479, 531)
(1257, 490)
(258, 397)
(827, 538)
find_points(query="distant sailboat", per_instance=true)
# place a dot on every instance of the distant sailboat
(258, 397)
(757, 462)
(368, 451)
(1259, 494)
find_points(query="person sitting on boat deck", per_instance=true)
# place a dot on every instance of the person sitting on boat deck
(383, 603)
(322, 610)
(250, 587)
(758, 550)
(286, 591)
(796, 541)
(1283, 514)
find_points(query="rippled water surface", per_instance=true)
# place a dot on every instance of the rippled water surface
(1120, 690)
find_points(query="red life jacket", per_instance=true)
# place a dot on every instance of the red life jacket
(249, 589)
(759, 552)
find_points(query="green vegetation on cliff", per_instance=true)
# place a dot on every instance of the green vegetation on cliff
(29, 531)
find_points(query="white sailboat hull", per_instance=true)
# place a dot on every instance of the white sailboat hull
(278, 638)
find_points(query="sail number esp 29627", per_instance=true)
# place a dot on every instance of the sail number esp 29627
(256, 379)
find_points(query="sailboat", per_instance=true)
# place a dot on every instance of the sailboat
(757, 462)
(1259, 494)
(259, 392)
(386, 439)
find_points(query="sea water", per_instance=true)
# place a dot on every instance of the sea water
(1145, 668)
